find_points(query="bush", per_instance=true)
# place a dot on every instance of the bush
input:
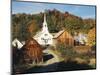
(66, 51)
(69, 54)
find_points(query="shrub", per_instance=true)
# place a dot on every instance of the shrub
(66, 51)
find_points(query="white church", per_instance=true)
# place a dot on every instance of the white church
(44, 37)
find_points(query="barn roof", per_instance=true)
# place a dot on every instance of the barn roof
(32, 42)
(59, 33)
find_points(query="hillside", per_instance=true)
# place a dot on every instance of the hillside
(25, 25)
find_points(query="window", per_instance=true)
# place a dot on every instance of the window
(45, 34)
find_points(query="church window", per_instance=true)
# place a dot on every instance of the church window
(46, 40)
(46, 34)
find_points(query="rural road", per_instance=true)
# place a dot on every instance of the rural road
(54, 64)
(55, 58)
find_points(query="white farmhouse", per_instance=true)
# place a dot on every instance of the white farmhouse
(81, 38)
(17, 43)
(44, 37)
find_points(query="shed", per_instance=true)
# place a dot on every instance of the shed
(65, 37)
(32, 51)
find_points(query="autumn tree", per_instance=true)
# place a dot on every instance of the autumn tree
(24, 25)
(88, 24)
(92, 37)
(32, 28)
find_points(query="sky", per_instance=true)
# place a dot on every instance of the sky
(83, 11)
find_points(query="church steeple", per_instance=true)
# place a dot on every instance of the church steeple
(45, 28)
(45, 18)
(44, 37)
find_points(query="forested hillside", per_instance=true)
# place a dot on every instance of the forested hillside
(26, 25)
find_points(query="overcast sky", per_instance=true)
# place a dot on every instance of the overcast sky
(33, 8)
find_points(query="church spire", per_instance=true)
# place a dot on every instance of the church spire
(45, 23)
(45, 28)
(44, 17)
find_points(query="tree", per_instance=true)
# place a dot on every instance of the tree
(22, 25)
(32, 28)
(88, 24)
(92, 37)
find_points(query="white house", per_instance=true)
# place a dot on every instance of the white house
(81, 38)
(43, 37)
(17, 43)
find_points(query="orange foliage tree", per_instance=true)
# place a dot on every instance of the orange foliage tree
(92, 37)
(32, 28)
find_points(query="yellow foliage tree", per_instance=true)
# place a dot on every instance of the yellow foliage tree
(92, 37)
